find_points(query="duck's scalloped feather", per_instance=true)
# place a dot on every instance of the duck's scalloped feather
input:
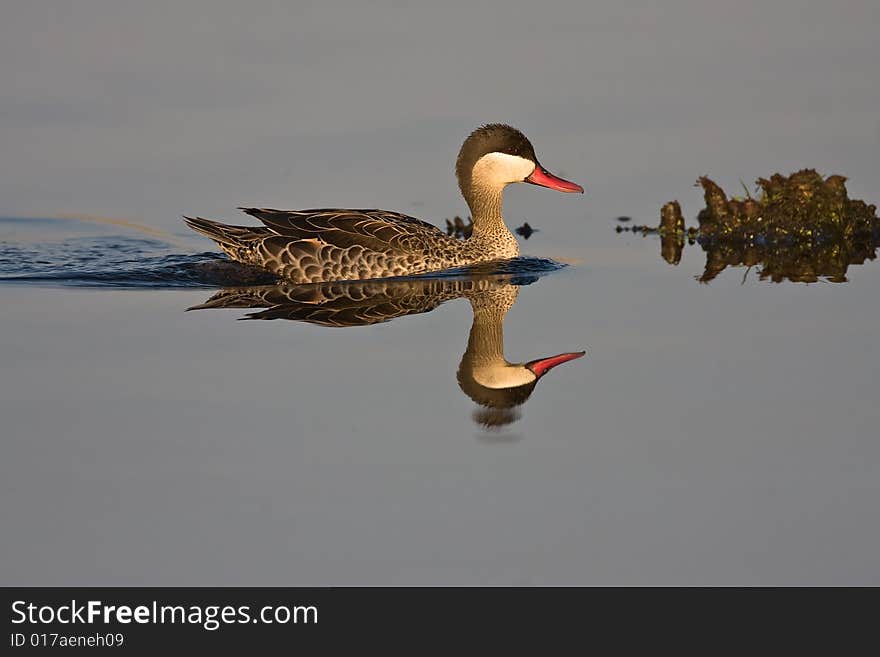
(330, 244)
(374, 229)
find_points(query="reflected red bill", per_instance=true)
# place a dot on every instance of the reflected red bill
(543, 365)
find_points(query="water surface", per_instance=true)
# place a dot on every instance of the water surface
(712, 433)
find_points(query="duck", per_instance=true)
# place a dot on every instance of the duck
(326, 245)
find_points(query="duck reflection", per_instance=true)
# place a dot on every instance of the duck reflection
(499, 387)
(484, 374)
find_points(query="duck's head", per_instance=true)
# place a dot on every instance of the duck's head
(496, 155)
(500, 386)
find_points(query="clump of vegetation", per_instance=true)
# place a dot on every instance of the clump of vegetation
(461, 229)
(802, 207)
(800, 228)
(458, 228)
(525, 230)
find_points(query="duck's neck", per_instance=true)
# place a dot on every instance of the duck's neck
(489, 230)
(486, 339)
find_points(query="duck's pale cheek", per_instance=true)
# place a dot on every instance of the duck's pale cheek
(498, 169)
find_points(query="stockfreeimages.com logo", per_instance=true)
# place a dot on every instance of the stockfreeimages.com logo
(210, 617)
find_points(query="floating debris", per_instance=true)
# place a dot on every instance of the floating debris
(458, 228)
(672, 232)
(671, 220)
(526, 231)
(624, 220)
(802, 228)
(803, 207)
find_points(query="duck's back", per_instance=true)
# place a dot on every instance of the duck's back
(327, 244)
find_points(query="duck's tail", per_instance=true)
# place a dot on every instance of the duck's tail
(223, 234)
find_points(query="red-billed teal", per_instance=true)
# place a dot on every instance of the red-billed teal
(311, 246)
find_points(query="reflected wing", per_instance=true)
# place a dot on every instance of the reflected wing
(358, 303)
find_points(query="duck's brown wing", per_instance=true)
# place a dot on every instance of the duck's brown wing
(377, 230)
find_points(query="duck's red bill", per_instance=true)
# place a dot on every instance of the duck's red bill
(543, 365)
(540, 176)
